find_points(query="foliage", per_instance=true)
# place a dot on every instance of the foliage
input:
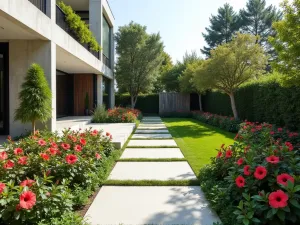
(231, 65)
(166, 66)
(79, 27)
(42, 172)
(116, 115)
(35, 97)
(222, 28)
(286, 43)
(139, 61)
(147, 103)
(257, 183)
(257, 19)
(224, 122)
(68, 218)
(259, 101)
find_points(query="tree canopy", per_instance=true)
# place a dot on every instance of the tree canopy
(222, 27)
(166, 66)
(139, 59)
(287, 43)
(231, 65)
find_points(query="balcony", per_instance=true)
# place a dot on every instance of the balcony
(62, 23)
(106, 61)
(40, 4)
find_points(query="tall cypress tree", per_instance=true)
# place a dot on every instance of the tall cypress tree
(222, 27)
(35, 97)
(257, 19)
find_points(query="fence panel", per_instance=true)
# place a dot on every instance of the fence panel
(173, 102)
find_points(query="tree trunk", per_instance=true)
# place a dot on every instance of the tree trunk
(133, 101)
(233, 106)
(200, 103)
(33, 127)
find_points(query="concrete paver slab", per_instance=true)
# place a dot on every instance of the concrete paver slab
(151, 131)
(116, 205)
(152, 153)
(151, 136)
(152, 143)
(152, 171)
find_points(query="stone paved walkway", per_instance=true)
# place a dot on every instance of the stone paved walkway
(161, 205)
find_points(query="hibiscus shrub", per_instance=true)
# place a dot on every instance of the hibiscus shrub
(255, 184)
(41, 173)
(116, 115)
(224, 122)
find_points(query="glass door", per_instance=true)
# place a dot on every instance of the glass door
(3, 88)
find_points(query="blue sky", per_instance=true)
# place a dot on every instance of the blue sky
(179, 22)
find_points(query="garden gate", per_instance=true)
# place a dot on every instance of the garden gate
(173, 102)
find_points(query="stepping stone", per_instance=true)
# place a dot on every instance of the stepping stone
(151, 205)
(149, 131)
(163, 171)
(152, 153)
(152, 143)
(150, 122)
(151, 118)
(153, 128)
(151, 136)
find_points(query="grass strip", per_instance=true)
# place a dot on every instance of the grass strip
(152, 160)
(152, 183)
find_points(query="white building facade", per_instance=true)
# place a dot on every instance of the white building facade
(35, 31)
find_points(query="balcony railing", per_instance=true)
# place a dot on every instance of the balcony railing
(106, 61)
(61, 21)
(40, 4)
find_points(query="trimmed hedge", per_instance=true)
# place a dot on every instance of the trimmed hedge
(145, 103)
(260, 102)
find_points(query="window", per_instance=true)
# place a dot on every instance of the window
(106, 38)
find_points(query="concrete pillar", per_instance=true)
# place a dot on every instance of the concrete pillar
(22, 53)
(95, 20)
(99, 90)
(111, 93)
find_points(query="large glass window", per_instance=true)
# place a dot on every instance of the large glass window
(106, 38)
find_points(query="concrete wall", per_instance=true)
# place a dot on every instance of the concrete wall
(21, 55)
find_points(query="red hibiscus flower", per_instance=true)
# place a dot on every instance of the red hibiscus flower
(279, 129)
(65, 146)
(278, 199)
(53, 145)
(3, 155)
(27, 183)
(240, 181)
(18, 151)
(284, 178)
(219, 154)
(247, 171)
(272, 132)
(260, 172)
(27, 200)
(52, 151)
(9, 164)
(42, 142)
(78, 148)
(2, 187)
(107, 134)
(45, 156)
(73, 138)
(228, 154)
(273, 159)
(289, 145)
(82, 141)
(22, 160)
(240, 161)
(98, 156)
(71, 159)
(94, 133)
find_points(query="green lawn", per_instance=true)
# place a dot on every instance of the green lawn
(197, 141)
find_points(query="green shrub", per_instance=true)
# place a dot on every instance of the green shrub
(100, 115)
(116, 115)
(265, 101)
(69, 218)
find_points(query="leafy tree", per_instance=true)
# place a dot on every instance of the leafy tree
(222, 28)
(231, 65)
(287, 43)
(139, 61)
(257, 19)
(170, 79)
(165, 67)
(187, 83)
(35, 97)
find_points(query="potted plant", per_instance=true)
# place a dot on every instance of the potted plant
(86, 103)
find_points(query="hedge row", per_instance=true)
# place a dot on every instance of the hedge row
(260, 102)
(145, 103)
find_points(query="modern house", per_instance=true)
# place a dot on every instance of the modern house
(35, 31)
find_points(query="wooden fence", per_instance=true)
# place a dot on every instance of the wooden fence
(173, 102)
